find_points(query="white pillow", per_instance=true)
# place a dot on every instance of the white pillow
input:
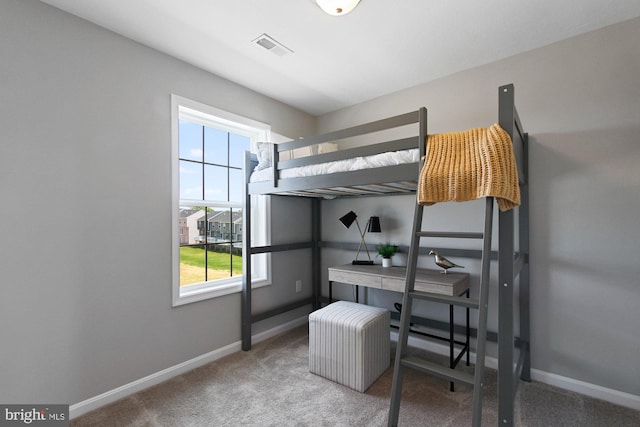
(264, 155)
(327, 147)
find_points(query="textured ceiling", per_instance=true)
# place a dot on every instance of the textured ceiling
(379, 48)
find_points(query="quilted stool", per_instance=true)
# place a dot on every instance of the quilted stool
(349, 343)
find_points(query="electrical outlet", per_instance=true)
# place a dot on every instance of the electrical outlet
(298, 285)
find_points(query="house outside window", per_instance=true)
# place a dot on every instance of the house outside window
(208, 148)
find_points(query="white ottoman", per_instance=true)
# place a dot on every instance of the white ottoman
(349, 343)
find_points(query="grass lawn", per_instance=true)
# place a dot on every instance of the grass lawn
(192, 265)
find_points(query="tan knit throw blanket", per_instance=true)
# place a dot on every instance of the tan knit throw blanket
(469, 165)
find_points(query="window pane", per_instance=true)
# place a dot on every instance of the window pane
(190, 180)
(216, 183)
(216, 146)
(190, 141)
(238, 144)
(192, 261)
(217, 220)
(189, 225)
(235, 185)
(236, 259)
(237, 226)
(224, 221)
(219, 261)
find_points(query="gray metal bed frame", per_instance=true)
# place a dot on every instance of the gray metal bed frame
(402, 179)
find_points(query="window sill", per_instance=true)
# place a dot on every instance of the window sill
(195, 295)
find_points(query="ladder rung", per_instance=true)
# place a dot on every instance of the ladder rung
(450, 234)
(433, 368)
(447, 299)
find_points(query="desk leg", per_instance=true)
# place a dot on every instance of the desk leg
(451, 340)
(330, 291)
(468, 332)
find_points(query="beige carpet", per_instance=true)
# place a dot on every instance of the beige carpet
(271, 386)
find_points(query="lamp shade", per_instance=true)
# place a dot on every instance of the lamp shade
(374, 225)
(348, 219)
(337, 7)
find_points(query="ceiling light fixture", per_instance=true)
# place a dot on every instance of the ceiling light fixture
(337, 7)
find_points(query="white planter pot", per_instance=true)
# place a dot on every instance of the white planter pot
(386, 262)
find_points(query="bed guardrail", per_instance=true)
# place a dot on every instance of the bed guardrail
(347, 153)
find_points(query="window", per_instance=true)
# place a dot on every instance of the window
(208, 148)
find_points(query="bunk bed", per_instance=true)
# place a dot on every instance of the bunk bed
(375, 175)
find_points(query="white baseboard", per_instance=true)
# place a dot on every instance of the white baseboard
(111, 396)
(592, 390)
(613, 396)
(587, 389)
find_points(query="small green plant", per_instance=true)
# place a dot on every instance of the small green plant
(387, 250)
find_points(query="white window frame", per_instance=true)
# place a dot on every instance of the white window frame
(196, 112)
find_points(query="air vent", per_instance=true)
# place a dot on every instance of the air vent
(272, 45)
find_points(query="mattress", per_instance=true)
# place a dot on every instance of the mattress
(391, 158)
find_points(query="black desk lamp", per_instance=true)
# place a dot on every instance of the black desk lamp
(372, 226)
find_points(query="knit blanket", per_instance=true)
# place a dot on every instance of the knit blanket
(468, 165)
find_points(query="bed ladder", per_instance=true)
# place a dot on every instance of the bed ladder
(402, 360)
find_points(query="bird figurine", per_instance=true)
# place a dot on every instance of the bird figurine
(444, 263)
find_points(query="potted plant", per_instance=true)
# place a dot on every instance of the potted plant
(386, 251)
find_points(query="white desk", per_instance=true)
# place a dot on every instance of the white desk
(393, 279)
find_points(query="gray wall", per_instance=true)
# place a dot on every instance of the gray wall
(85, 179)
(580, 101)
